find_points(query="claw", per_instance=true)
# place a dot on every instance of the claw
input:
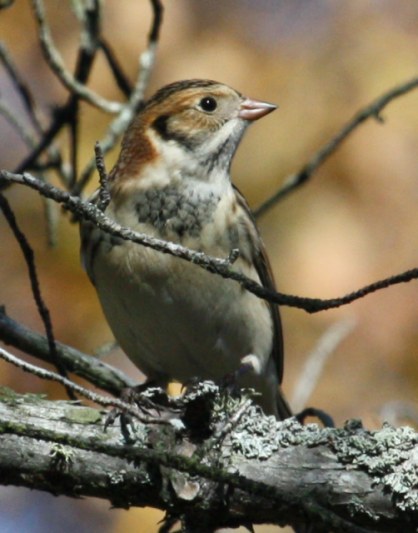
(137, 396)
(249, 364)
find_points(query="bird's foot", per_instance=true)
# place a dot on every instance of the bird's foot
(230, 382)
(147, 396)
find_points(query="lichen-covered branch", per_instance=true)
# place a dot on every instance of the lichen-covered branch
(128, 409)
(259, 471)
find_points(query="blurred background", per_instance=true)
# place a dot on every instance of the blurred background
(355, 222)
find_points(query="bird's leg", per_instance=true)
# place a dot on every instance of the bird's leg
(146, 396)
(230, 382)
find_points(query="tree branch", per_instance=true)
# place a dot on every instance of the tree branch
(118, 126)
(43, 310)
(105, 401)
(220, 266)
(157, 21)
(121, 79)
(56, 64)
(89, 15)
(96, 372)
(21, 87)
(260, 472)
(372, 110)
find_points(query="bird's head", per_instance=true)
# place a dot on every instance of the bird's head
(193, 124)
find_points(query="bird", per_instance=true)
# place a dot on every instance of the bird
(173, 319)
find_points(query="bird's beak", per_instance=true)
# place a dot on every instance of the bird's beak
(254, 109)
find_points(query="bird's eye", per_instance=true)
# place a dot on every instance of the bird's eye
(208, 103)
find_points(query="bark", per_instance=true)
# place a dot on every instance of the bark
(214, 468)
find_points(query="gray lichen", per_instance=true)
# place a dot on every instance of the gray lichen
(390, 456)
(259, 437)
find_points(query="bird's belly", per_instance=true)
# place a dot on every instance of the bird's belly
(177, 321)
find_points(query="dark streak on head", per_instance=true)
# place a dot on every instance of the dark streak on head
(177, 86)
(160, 125)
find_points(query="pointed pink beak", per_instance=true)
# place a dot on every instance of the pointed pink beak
(254, 109)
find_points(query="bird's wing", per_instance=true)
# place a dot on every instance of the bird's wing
(263, 268)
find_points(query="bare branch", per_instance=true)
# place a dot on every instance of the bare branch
(46, 140)
(373, 110)
(120, 77)
(90, 368)
(90, 43)
(158, 10)
(14, 120)
(215, 265)
(22, 88)
(29, 257)
(121, 122)
(57, 65)
(54, 157)
(82, 391)
(89, 14)
(104, 194)
(54, 161)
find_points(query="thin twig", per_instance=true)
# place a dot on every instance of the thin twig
(89, 14)
(116, 129)
(119, 125)
(22, 88)
(104, 194)
(96, 372)
(316, 360)
(56, 64)
(54, 162)
(36, 289)
(14, 120)
(68, 114)
(121, 79)
(60, 119)
(51, 222)
(158, 11)
(215, 265)
(54, 158)
(73, 126)
(372, 110)
(105, 401)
